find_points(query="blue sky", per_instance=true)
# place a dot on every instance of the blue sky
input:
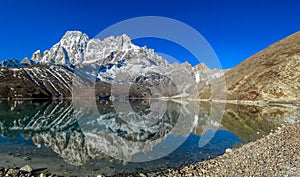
(235, 29)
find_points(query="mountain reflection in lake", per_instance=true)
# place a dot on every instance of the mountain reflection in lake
(111, 138)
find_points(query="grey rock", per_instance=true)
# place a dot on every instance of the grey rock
(26, 169)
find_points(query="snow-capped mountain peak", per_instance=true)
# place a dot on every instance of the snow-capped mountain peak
(111, 49)
(69, 50)
(13, 63)
(123, 42)
(76, 47)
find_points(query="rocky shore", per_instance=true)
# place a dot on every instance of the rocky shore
(277, 154)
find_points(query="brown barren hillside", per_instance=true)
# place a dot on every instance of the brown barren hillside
(272, 74)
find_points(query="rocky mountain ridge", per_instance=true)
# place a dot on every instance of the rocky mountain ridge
(111, 61)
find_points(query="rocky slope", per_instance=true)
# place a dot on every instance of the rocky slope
(272, 74)
(39, 81)
(274, 155)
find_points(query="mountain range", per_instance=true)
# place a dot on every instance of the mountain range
(271, 75)
(111, 62)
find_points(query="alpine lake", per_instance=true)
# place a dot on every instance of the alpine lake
(90, 138)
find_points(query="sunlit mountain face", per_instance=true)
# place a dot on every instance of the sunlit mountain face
(76, 60)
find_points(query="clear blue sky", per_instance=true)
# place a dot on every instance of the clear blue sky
(236, 29)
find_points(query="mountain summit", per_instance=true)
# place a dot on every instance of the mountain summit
(69, 50)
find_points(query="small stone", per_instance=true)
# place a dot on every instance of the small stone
(142, 175)
(278, 128)
(228, 150)
(27, 158)
(42, 175)
(17, 155)
(26, 169)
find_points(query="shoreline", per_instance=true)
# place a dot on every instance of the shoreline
(291, 103)
(276, 154)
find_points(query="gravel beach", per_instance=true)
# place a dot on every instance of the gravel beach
(277, 154)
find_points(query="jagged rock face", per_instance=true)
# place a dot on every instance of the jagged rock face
(155, 85)
(110, 50)
(76, 48)
(69, 50)
(204, 76)
(272, 74)
(116, 59)
(26, 62)
(187, 66)
(37, 56)
(201, 67)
